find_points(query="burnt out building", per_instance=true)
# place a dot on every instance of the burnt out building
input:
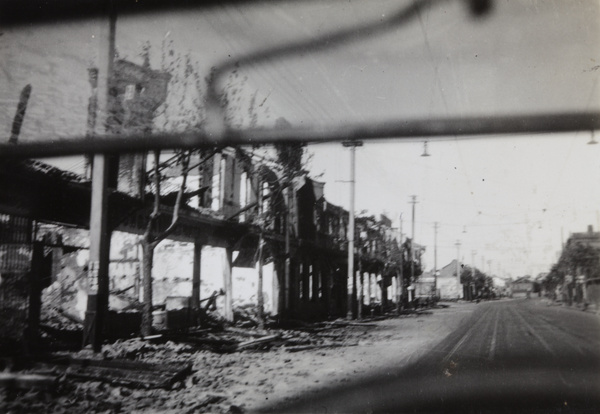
(237, 201)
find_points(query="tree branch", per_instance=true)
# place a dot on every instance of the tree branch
(155, 209)
(185, 159)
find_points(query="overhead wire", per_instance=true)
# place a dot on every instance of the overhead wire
(444, 100)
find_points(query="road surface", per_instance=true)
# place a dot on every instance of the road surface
(509, 356)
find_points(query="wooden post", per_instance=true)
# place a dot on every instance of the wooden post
(228, 284)
(326, 276)
(315, 280)
(295, 282)
(394, 289)
(259, 294)
(275, 290)
(35, 297)
(196, 276)
(361, 291)
(97, 305)
(260, 298)
(369, 288)
(287, 264)
(305, 279)
(383, 288)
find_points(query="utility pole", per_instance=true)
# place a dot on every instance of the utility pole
(97, 304)
(412, 242)
(399, 286)
(287, 264)
(457, 244)
(435, 231)
(351, 273)
(469, 292)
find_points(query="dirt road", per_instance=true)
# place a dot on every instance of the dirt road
(245, 381)
(284, 376)
(509, 356)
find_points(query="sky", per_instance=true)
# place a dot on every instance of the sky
(508, 199)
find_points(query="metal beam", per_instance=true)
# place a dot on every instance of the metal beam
(401, 129)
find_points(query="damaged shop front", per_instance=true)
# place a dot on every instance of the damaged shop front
(251, 237)
(210, 263)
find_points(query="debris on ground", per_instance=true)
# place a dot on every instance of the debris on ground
(60, 319)
(25, 381)
(209, 368)
(129, 373)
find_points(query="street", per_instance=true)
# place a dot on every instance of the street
(508, 356)
(299, 206)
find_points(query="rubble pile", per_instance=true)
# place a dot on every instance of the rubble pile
(201, 370)
(57, 318)
(146, 350)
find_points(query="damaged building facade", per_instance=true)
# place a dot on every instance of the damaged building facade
(243, 215)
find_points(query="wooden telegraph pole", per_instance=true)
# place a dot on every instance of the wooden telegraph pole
(436, 226)
(351, 273)
(97, 305)
(458, 289)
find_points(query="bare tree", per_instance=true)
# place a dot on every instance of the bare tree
(182, 110)
(153, 235)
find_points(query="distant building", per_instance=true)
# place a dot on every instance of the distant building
(522, 287)
(574, 284)
(424, 285)
(589, 238)
(448, 284)
(500, 285)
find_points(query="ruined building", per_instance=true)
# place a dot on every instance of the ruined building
(242, 213)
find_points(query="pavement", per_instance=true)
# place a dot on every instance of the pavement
(505, 356)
